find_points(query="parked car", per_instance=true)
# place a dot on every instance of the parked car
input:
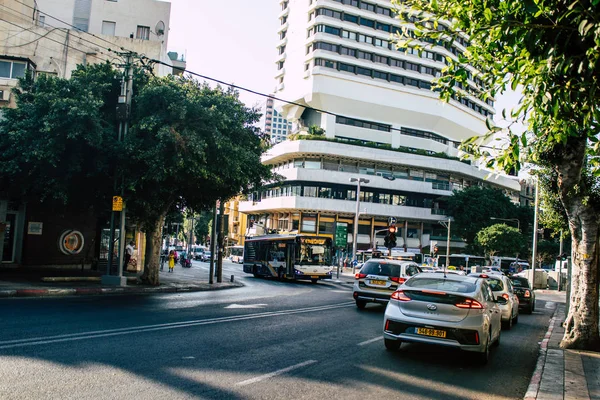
(379, 278)
(427, 268)
(453, 310)
(205, 256)
(525, 293)
(502, 286)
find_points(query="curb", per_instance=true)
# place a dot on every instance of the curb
(536, 378)
(110, 291)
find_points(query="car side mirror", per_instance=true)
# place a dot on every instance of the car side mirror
(501, 300)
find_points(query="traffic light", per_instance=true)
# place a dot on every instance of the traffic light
(390, 237)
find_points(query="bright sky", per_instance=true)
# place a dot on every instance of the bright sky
(233, 41)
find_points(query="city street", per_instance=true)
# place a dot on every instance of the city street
(268, 339)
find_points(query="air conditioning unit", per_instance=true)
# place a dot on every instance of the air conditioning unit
(5, 95)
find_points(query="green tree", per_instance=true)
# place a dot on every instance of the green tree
(60, 145)
(550, 49)
(473, 207)
(500, 239)
(202, 226)
(190, 144)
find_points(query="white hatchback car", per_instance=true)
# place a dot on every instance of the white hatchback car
(453, 310)
(502, 286)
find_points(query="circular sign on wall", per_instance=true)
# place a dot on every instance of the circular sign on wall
(71, 242)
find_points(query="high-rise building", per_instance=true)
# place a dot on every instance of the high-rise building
(383, 123)
(276, 126)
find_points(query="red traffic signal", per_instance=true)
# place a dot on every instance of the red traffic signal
(392, 229)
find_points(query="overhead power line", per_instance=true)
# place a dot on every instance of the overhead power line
(319, 110)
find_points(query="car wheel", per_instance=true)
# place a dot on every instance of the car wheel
(508, 324)
(516, 319)
(529, 310)
(280, 273)
(392, 345)
(361, 304)
(484, 356)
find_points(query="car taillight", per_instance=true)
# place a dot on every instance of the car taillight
(469, 303)
(527, 293)
(399, 280)
(400, 296)
(387, 325)
(505, 295)
(360, 276)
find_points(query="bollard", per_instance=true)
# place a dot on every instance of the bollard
(231, 280)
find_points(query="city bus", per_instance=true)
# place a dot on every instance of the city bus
(236, 254)
(289, 257)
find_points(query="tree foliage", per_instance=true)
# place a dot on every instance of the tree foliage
(59, 145)
(500, 239)
(550, 50)
(473, 208)
(187, 146)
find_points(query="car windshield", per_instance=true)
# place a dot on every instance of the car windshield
(520, 282)
(446, 285)
(383, 268)
(313, 254)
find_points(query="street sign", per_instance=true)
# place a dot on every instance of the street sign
(117, 204)
(341, 234)
(391, 221)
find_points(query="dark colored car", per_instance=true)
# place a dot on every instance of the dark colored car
(525, 294)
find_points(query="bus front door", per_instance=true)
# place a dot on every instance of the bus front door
(289, 261)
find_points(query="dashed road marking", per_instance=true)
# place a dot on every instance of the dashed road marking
(370, 341)
(275, 373)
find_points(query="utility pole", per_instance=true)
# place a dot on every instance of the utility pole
(129, 95)
(535, 232)
(123, 112)
(213, 240)
(220, 241)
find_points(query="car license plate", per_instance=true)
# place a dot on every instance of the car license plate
(431, 332)
(376, 282)
(314, 276)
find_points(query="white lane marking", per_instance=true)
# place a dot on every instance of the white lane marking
(272, 374)
(370, 341)
(158, 327)
(247, 306)
(339, 291)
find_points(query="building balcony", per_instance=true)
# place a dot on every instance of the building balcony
(334, 206)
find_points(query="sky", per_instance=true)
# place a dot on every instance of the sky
(233, 41)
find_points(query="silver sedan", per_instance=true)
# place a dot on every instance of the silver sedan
(452, 310)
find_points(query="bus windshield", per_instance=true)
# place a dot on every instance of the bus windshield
(312, 254)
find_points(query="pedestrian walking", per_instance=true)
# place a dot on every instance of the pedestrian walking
(171, 261)
(129, 250)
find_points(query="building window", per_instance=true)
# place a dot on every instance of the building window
(309, 224)
(11, 69)
(310, 191)
(351, 18)
(143, 32)
(108, 28)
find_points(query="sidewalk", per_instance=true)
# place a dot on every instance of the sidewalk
(563, 374)
(32, 282)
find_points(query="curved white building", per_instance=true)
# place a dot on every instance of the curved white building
(382, 122)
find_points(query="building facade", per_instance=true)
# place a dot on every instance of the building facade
(276, 126)
(381, 121)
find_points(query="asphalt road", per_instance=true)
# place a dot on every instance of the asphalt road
(267, 340)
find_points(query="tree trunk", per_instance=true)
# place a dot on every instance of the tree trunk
(581, 324)
(153, 247)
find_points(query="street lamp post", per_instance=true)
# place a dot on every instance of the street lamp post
(355, 233)
(509, 219)
(447, 223)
